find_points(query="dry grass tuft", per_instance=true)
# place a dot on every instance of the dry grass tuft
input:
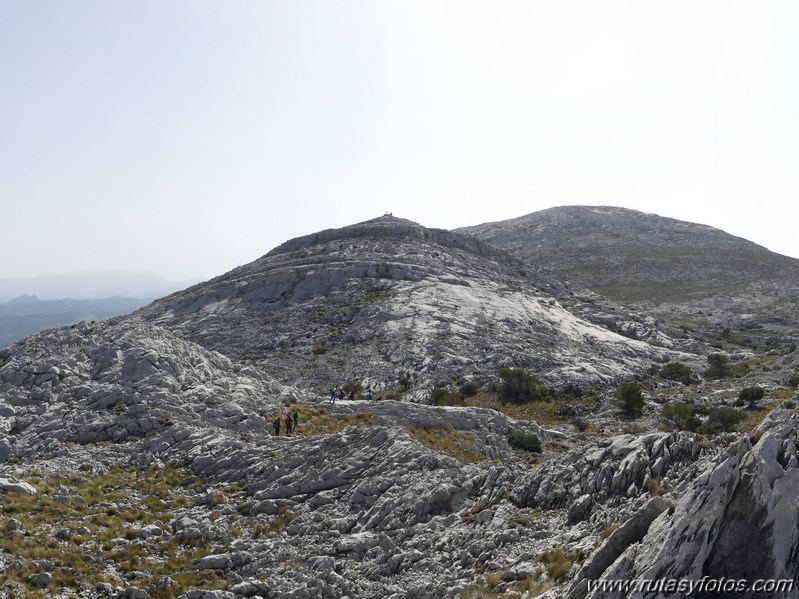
(460, 445)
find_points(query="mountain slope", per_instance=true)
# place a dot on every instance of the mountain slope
(389, 299)
(633, 256)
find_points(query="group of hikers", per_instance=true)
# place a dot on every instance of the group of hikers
(336, 393)
(290, 422)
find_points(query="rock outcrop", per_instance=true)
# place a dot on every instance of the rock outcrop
(123, 380)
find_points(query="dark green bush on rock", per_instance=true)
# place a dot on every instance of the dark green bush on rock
(751, 395)
(630, 398)
(469, 388)
(680, 416)
(519, 386)
(722, 420)
(525, 442)
(440, 396)
(677, 371)
(717, 366)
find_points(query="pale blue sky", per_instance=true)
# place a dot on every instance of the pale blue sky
(188, 137)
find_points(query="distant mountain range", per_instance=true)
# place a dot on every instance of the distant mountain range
(92, 285)
(29, 305)
(27, 314)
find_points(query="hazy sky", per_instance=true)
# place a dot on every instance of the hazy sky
(188, 137)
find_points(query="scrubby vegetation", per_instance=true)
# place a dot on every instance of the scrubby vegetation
(525, 441)
(629, 398)
(461, 445)
(722, 420)
(700, 418)
(677, 371)
(751, 395)
(469, 388)
(680, 417)
(519, 386)
(717, 366)
(87, 528)
(444, 397)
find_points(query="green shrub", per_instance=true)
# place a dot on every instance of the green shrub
(789, 405)
(405, 381)
(319, 350)
(717, 367)
(444, 397)
(722, 420)
(469, 388)
(352, 386)
(739, 370)
(677, 371)
(525, 441)
(679, 416)
(519, 386)
(751, 395)
(629, 398)
(581, 424)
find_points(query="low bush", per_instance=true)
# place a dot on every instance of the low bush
(519, 386)
(721, 420)
(557, 562)
(630, 398)
(677, 371)
(751, 395)
(444, 397)
(580, 424)
(469, 388)
(680, 416)
(717, 367)
(525, 441)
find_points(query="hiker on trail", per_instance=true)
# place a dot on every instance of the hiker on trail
(287, 422)
(352, 395)
(341, 394)
(276, 424)
(368, 395)
(333, 391)
(296, 417)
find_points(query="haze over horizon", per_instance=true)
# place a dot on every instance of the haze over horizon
(191, 137)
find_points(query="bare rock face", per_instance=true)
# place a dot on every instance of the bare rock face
(388, 299)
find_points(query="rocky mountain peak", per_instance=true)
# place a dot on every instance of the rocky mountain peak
(389, 227)
(580, 227)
